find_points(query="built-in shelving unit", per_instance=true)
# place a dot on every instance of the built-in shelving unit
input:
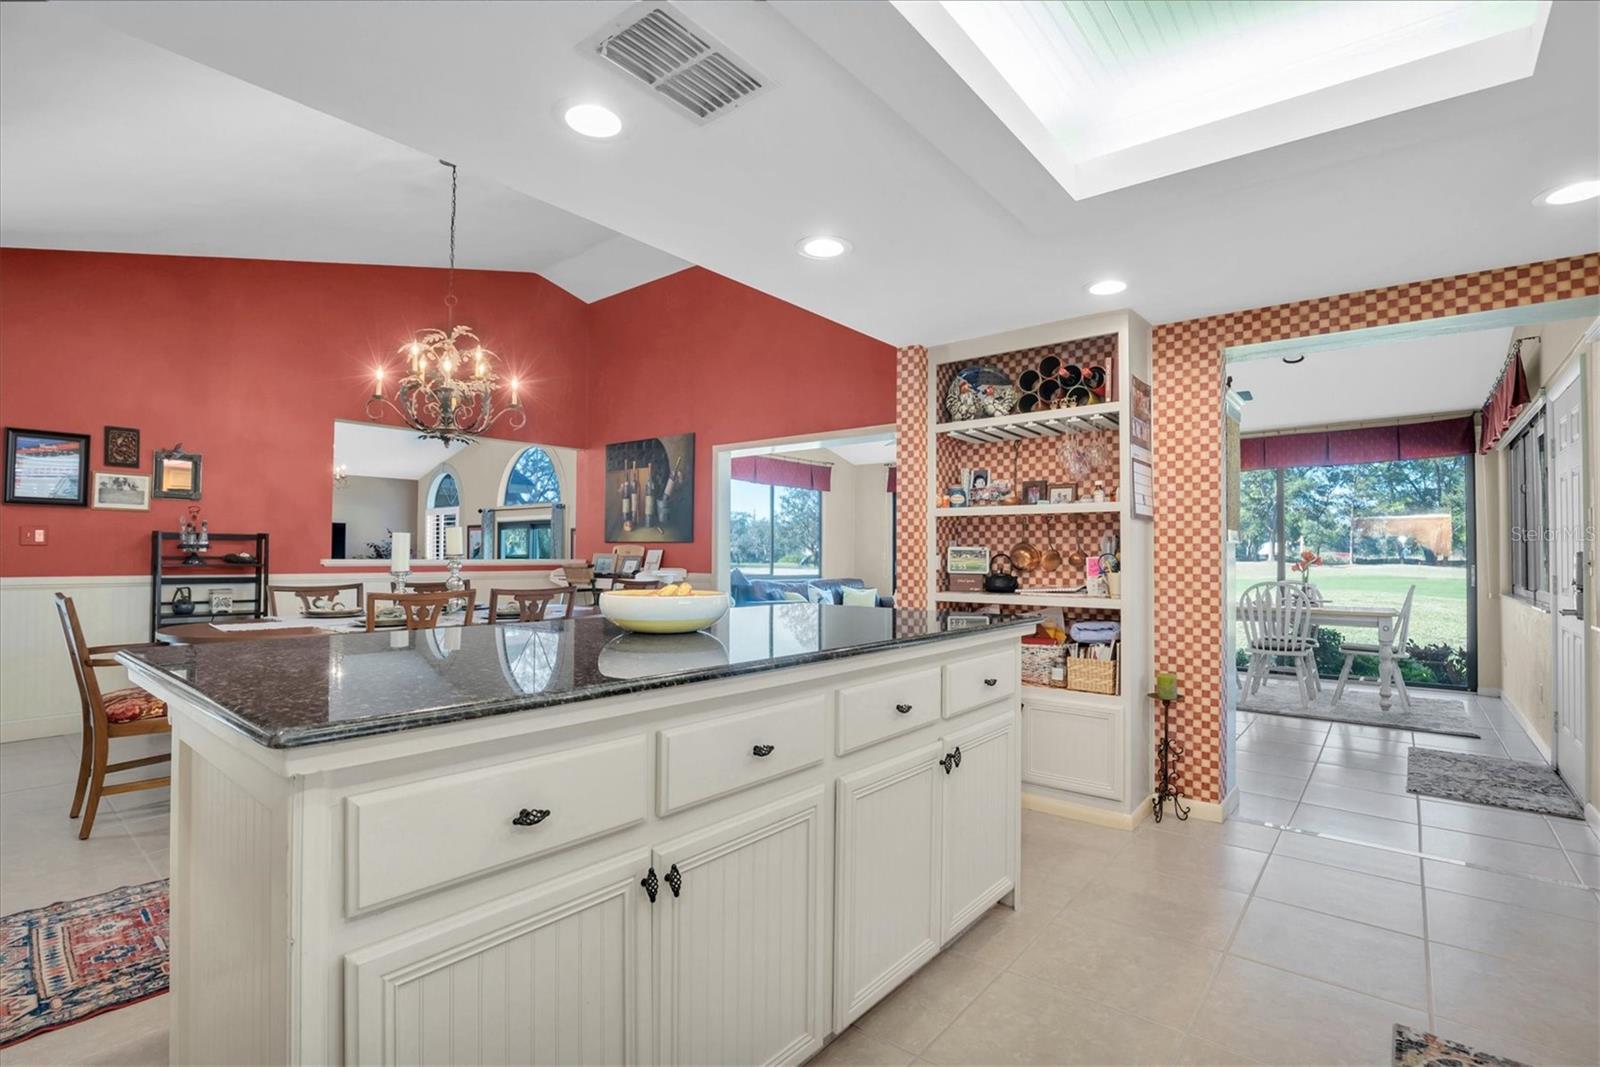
(1081, 750)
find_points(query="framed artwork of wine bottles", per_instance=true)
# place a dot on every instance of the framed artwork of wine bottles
(650, 490)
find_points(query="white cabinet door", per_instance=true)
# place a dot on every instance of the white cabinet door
(742, 936)
(982, 808)
(1074, 744)
(887, 919)
(557, 975)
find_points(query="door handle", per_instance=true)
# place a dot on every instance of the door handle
(651, 884)
(674, 879)
(1573, 612)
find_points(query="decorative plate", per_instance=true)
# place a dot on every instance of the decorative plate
(980, 393)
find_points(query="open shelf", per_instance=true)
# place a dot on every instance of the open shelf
(1030, 691)
(1026, 424)
(1028, 600)
(1077, 507)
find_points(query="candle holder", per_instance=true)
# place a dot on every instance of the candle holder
(455, 583)
(1169, 754)
(398, 580)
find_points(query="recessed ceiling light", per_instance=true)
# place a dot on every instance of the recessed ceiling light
(1570, 194)
(1108, 287)
(821, 247)
(592, 120)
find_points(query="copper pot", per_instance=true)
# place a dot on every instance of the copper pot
(1025, 555)
(1050, 559)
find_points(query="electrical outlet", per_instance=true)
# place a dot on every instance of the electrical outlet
(32, 535)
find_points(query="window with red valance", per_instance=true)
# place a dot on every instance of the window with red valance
(1368, 444)
(789, 473)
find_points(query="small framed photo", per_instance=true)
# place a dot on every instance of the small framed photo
(652, 559)
(1036, 492)
(121, 447)
(967, 559)
(177, 474)
(965, 620)
(474, 542)
(957, 495)
(221, 601)
(1063, 494)
(121, 492)
(603, 564)
(44, 467)
(630, 567)
(977, 480)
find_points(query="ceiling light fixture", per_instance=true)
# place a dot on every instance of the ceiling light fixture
(1573, 193)
(822, 247)
(1108, 287)
(592, 120)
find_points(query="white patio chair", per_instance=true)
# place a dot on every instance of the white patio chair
(1277, 626)
(1399, 655)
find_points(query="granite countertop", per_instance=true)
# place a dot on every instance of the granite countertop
(288, 692)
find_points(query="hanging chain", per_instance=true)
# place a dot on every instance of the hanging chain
(450, 285)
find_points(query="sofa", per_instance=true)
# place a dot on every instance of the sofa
(759, 590)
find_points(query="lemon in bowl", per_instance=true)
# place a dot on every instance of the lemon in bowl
(672, 609)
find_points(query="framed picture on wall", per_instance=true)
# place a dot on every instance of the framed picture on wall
(649, 486)
(45, 467)
(121, 492)
(121, 447)
(177, 474)
(474, 542)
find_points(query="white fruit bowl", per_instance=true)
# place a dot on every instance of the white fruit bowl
(645, 611)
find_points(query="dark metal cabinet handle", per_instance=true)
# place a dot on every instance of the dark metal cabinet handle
(651, 884)
(991, 681)
(949, 762)
(904, 709)
(762, 750)
(531, 816)
(957, 755)
(674, 879)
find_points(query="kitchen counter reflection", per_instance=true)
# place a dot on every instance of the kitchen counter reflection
(288, 692)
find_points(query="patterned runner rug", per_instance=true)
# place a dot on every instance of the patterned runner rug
(1430, 714)
(65, 962)
(1499, 783)
(1412, 1049)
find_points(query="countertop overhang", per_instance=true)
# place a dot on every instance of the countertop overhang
(291, 692)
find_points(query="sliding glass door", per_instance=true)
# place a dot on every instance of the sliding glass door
(1380, 530)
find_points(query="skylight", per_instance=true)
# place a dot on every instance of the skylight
(1109, 93)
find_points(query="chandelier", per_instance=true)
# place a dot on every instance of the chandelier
(448, 392)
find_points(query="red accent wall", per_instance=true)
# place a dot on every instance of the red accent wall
(247, 362)
(697, 352)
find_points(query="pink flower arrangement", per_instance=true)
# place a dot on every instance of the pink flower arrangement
(1303, 565)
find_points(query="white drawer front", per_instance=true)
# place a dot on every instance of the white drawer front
(407, 838)
(978, 681)
(713, 758)
(873, 711)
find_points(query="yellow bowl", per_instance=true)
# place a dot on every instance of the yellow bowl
(642, 611)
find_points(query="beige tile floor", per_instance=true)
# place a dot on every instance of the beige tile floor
(1300, 935)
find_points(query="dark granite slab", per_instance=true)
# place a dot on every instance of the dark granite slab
(286, 692)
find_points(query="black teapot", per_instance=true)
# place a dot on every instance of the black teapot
(997, 580)
(182, 601)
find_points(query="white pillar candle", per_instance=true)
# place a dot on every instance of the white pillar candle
(454, 541)
(400, 552)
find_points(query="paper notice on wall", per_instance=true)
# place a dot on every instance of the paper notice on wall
(1140, 435)
(1144, 501)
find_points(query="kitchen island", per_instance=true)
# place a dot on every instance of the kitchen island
(560, 843)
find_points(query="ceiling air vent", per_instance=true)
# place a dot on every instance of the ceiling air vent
(677, 60)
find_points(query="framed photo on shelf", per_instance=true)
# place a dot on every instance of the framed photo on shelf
(652, 559)
(121, 446)
(975, 480)
(1063, 494)
(45, 467)
(177, 474)
(965, 620)
(1034, 492)
(967, 559)
(604, 563)
(121, 492)
(957, 496)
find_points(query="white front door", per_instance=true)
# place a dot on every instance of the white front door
(1566, 513)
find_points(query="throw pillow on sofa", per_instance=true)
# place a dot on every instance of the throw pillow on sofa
(859, 598)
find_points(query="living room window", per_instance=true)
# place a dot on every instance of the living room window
(775, 530)
(1529, 513)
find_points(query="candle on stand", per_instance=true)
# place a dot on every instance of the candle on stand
(400, 552)
(454, 541)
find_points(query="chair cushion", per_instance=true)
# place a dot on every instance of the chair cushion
(133, 704)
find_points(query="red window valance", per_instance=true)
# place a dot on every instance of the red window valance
(793, 474)
(1506, 401)
(1368, 444)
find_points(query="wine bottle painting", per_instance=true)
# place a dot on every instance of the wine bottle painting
(650, 489)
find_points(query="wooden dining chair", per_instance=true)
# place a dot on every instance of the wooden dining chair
(1397, 654)
(466, 592)
(581, 580)
(532, 604)
(331, 595)
(422, 610)
(626, 560)
(118, 713)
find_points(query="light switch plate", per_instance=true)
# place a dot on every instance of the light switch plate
(32, 535)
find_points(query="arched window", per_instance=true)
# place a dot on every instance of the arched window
(533, 479)
(445, 493)
(443, 512)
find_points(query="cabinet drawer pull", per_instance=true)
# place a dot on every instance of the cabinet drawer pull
(991, 681)
(904, 709)
(651, 884)
(674, 879)
(531, 816)
(762, 750)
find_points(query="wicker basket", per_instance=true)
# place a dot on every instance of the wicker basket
(1092, 675)
(1037, 661)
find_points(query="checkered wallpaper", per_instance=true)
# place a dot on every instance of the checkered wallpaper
(911, 485)
(1188, 376)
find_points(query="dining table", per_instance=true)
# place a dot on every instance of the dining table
(197, 633)
(1365, 617)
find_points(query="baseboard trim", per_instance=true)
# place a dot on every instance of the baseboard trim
(40, 726)
(1527, 728)
(1116, 820)
(1591, 815)
(1489, 691)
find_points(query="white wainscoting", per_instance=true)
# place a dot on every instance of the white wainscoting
(37, 695)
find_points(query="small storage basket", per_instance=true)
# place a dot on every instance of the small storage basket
(1092, 675)
(1037, 661)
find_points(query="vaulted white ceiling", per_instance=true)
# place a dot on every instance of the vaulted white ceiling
(864, 131)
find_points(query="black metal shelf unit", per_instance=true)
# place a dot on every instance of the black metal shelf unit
(171, 565)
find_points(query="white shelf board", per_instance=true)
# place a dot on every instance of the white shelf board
(1026, 424)
(1050, 694)
(1077, 507)
(1029, 600)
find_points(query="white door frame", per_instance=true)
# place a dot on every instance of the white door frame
(1573, 765)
